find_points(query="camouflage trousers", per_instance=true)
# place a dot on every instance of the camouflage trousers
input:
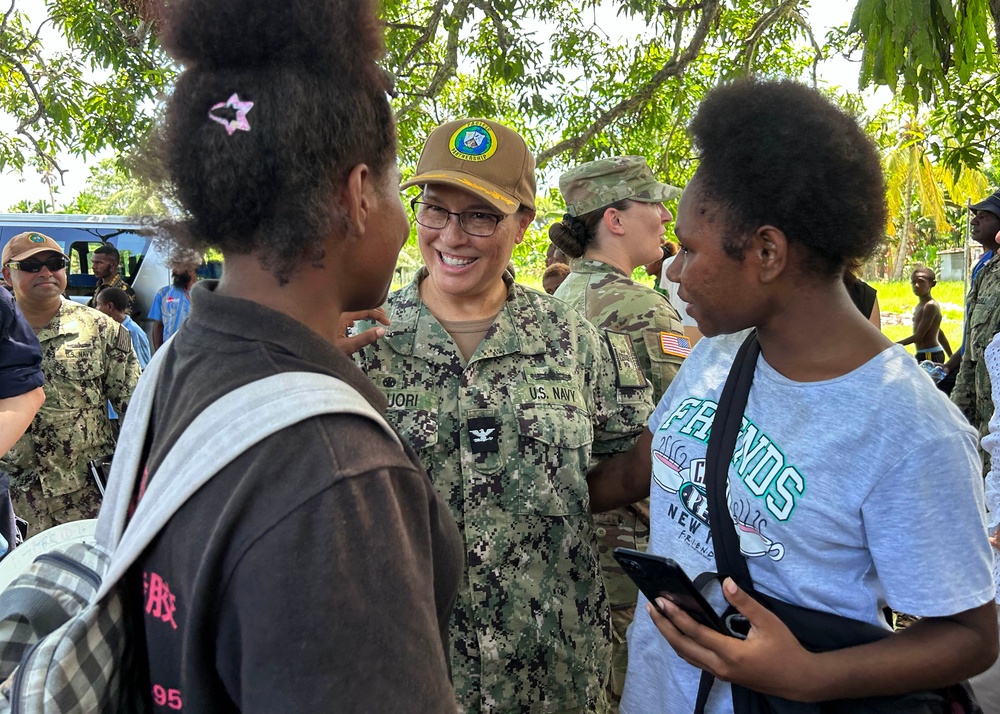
(626, 527)
(595, 707)
(42, 513)
(984, 429)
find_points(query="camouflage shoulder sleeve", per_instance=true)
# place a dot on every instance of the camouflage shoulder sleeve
(963, 392)
(122, 340)
(122, 373)
(622, 402)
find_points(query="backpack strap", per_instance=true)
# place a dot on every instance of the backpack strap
(235, 423)
(128, 454)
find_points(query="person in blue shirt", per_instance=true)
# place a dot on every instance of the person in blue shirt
(173, 303)
(21, 394)
(114, 303)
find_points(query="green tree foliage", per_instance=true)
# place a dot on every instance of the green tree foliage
(941, 53)
(926, 199)
(580, 79)
(112, 190)
(82, 78)
(550, 69)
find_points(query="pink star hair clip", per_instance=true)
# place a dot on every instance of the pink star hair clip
(232, 114)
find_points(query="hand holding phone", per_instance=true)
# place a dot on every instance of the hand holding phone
(658, 577)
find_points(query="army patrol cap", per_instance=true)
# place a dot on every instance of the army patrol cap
(600, 183)
(482, 157)
(991, 204)
(25, 245)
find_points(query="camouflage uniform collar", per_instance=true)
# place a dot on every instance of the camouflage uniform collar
(412, 322)
(590, 265)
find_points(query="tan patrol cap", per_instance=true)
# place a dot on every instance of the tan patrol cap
(25, 245)
(482, 157)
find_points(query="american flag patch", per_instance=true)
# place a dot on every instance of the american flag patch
(675, 344)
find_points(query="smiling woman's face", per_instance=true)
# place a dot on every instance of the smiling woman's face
(459, 265)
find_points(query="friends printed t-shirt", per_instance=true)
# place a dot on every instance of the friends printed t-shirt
(847, 494)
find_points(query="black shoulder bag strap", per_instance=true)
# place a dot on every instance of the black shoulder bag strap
(729, 561)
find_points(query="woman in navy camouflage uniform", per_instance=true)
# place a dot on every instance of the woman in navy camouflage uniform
(506, 394)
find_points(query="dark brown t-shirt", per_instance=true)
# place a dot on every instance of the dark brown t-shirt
(317, 572)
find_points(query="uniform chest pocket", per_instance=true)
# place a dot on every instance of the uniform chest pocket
(77, 363)
(417, 424)
(554, 445)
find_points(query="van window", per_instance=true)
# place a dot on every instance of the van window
(80, 241)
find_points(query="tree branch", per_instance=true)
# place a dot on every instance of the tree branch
(817, 50)
(429, 32)
(503, 38)
(446, 70)
(34, 40)
(6, 17)
(667, 7)
(40, 112)
(673, 68)
(129, 36)
(45, 156)
(995, 12)
(760, 27)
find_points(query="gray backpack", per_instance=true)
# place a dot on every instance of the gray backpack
(65, 644)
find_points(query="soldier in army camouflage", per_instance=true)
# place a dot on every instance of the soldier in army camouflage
(88, 360)
(973, 390)
(614, 223)
(507, 394)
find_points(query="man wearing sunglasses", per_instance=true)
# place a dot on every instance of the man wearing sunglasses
(87, 360)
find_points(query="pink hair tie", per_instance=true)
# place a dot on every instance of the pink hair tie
(227, 119)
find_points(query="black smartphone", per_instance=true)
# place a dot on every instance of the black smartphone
(657, 576)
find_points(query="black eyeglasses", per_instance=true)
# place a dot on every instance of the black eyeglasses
(476, 223)
(35, 266)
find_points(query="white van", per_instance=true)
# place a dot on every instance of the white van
(141, 265)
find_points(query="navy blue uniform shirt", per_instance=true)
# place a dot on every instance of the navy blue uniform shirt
(20, 353)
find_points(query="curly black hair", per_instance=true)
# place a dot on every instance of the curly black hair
(779, 153)
(320, 107)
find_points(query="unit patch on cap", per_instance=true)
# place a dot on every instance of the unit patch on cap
(676, 344)
(35, 238)
(473, 142)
